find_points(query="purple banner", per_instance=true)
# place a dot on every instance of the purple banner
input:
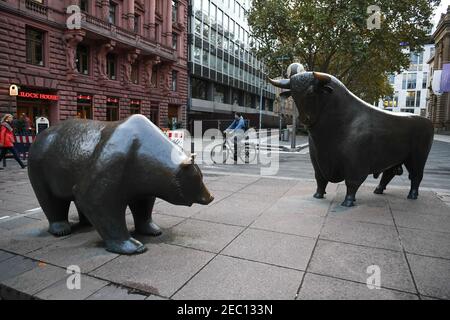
(445, 78)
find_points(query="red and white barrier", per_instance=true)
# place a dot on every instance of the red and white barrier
(25, 139)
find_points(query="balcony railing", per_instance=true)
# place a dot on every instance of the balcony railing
(126, 36)
(36, 7)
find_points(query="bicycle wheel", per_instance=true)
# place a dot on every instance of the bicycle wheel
(220, 153)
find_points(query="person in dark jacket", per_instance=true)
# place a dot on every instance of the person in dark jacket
(7, 139)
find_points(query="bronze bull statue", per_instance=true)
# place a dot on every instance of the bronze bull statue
(350, 139)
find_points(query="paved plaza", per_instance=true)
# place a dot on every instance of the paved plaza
(261, 238)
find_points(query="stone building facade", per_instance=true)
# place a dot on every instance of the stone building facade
(113, 59)
(438, 107)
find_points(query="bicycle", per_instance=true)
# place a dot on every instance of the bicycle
(222, 152)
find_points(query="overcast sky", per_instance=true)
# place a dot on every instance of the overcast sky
(441, 9)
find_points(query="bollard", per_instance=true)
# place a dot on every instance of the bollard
(235, 151)
(246, 150)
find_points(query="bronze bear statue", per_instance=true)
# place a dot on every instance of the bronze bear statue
(350, 139)
(106, 166)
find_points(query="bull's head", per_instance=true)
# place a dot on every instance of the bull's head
(309, 91)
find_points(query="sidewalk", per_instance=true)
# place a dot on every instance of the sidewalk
(442, 137)
(262, 238)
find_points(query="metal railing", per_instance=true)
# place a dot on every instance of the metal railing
(36, 7)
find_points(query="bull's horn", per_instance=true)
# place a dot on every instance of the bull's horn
(282, 83)
(322, 77)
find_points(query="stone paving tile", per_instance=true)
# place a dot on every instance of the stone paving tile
(267, 186)
(438, 223)
(112, 292)
(36, 279)
(362, 212)
(273, 248)
(162, 220)
(432, 275)
(84, 249)
(5, 255)
(238, 179)
(16, 222)
(427, 204)
(60, 291)
(28, 238)
(220, 185)
(350, 262)
(179, 211)
(428, 243)
(290, 222)
(316, 287)
(231, 278)
(203, 235)
(368, 234)
(237, 210)
(301, 204)
(15, 266)
(161, 270)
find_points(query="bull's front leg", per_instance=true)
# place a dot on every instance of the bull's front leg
(320, 179)
(352, 188)
(321, 185)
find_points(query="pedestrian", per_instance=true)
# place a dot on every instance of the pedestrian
(7, 139)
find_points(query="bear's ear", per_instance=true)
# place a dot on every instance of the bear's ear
(187, 162)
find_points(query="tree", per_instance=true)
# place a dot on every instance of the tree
(332, 36)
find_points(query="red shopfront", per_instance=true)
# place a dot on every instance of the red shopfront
(36, 103)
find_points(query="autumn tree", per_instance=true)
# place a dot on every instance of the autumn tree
(333, 37)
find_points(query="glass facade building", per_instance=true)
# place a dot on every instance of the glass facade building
(225, 75)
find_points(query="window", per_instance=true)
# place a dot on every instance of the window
(84, 5)
(135, 106)
(199, 89)
(409, 81)
(174, 41)
(111, 66)
(112, 109)
(416, 60)
(154, 113)
(174, 80)
(424, 80)
(198, 26)
(417, 99)
(410, 99)
(197, 53)
(35, 46)
(135, 72)
(112, 12)
(84, 106)
(137, 23)
(82, 59)
(220, 93)
(155, 77)
(174, 11)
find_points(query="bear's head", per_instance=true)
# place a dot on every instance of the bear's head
(191, 189)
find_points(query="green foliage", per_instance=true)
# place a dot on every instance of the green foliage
(332, 36)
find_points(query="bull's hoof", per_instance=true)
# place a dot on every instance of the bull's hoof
(60, 228)
(149, 229)
(378, 190)
(130, 246)
(348, 203)
(318, 195)
(413, 194)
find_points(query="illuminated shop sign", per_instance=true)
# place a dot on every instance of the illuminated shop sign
(112, 100)
(84, 97)
(37, 95)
